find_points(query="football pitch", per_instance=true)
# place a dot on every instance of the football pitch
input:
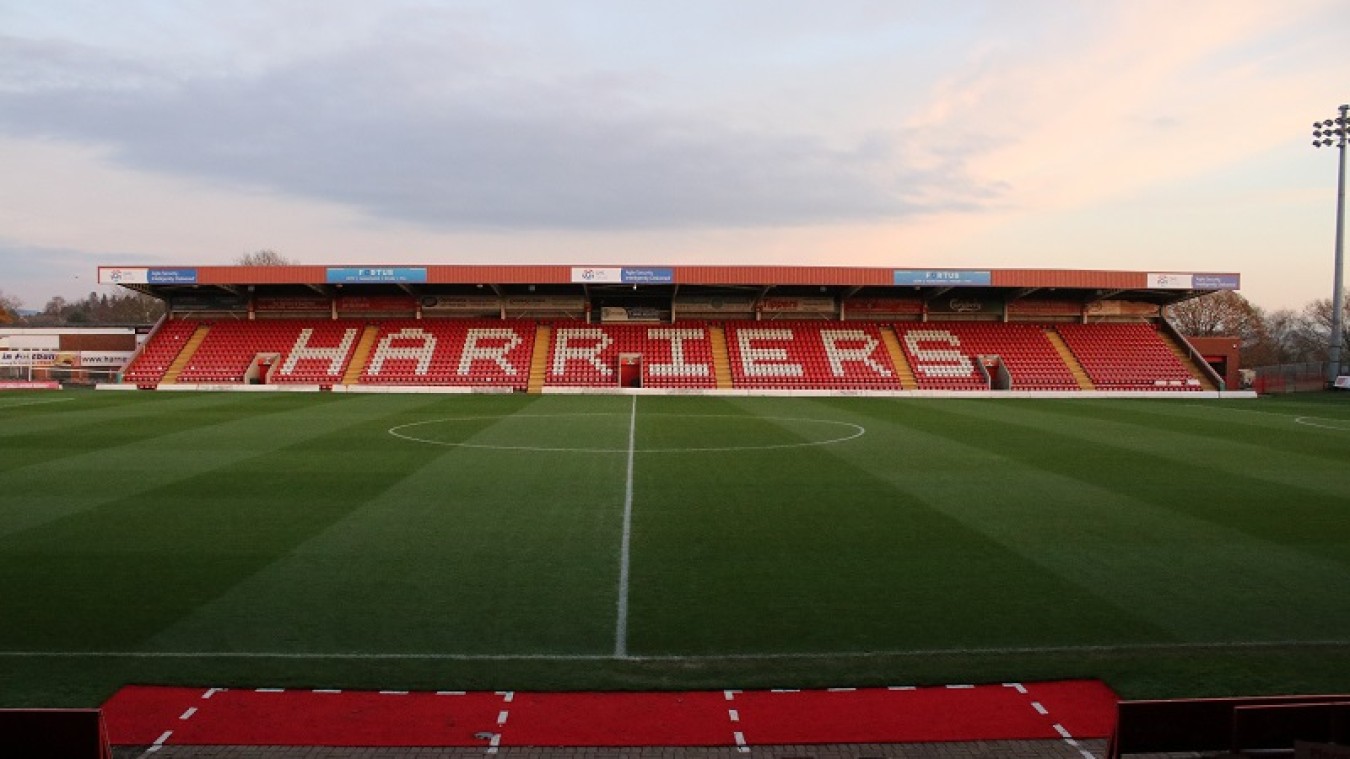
(1170, 547)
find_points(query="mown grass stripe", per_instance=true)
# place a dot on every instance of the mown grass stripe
(464, 550)
(1074, 507)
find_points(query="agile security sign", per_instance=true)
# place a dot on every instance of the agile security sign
(171, 276)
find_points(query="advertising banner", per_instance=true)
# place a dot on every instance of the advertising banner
(807, 305)
(172, 277)
(942, 277)
(369, 303)
(546, 303)
(1170, 281)
(649, 276)
(1122, 308)
(883, 306)
(27, 358)
(630, 314)
(1216, 281)
(593, 275)
(104, 359)
(307, 303)
(345, 274)
(634, 275)
(1029, 307)
(208, 302)
(478, 304)
(717, 304)
(73, 359)
(965, 305)
(111, 275)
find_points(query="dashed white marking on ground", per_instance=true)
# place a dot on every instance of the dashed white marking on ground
(1062, 732)
(730, 695)
(326, 690)
(393, 693)
(901, 687)
(494, 743)
(1041, 710)
(840, 690)
(269, 690)
(158, 744)
(740, 742)
(450, 692)
(211, 692)
(1020, 688)
(626, 544)
(960, 687)
(501, 717)
(191, 710)
(785, 690)
(509, 696)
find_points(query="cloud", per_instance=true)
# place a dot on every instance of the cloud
(439, 135)
(34, 274)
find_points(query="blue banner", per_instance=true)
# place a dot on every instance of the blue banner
(171, 276)
(343, 274)
(939, 277)
(1215, 281)
(647, 276)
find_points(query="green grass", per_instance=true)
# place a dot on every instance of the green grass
(1171, 547)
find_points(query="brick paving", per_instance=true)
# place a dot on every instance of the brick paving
(1001, 749)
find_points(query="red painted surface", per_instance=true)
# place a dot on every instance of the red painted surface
(884, 716)
(140, 715)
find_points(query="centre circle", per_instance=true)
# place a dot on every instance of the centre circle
(837, 432)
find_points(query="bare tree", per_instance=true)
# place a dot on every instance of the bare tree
(1316, 318)
(1222, 313)
(9, 308)
(265, 257)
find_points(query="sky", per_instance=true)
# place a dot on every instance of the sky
(1114, 134)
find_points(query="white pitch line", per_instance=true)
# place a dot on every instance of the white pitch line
(621, 621)
(1304, 420)
(800, 656)
(4, 406)
(191, 710)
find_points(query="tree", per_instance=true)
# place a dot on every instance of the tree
(1282, 341)
(265, 257)
(1317, 326)
(1222, 313)
(9, 308)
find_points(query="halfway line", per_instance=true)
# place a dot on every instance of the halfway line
(621, 623)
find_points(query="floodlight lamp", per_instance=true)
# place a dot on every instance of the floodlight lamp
(1317, 143)
(1327, 123)
(1317, 133)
